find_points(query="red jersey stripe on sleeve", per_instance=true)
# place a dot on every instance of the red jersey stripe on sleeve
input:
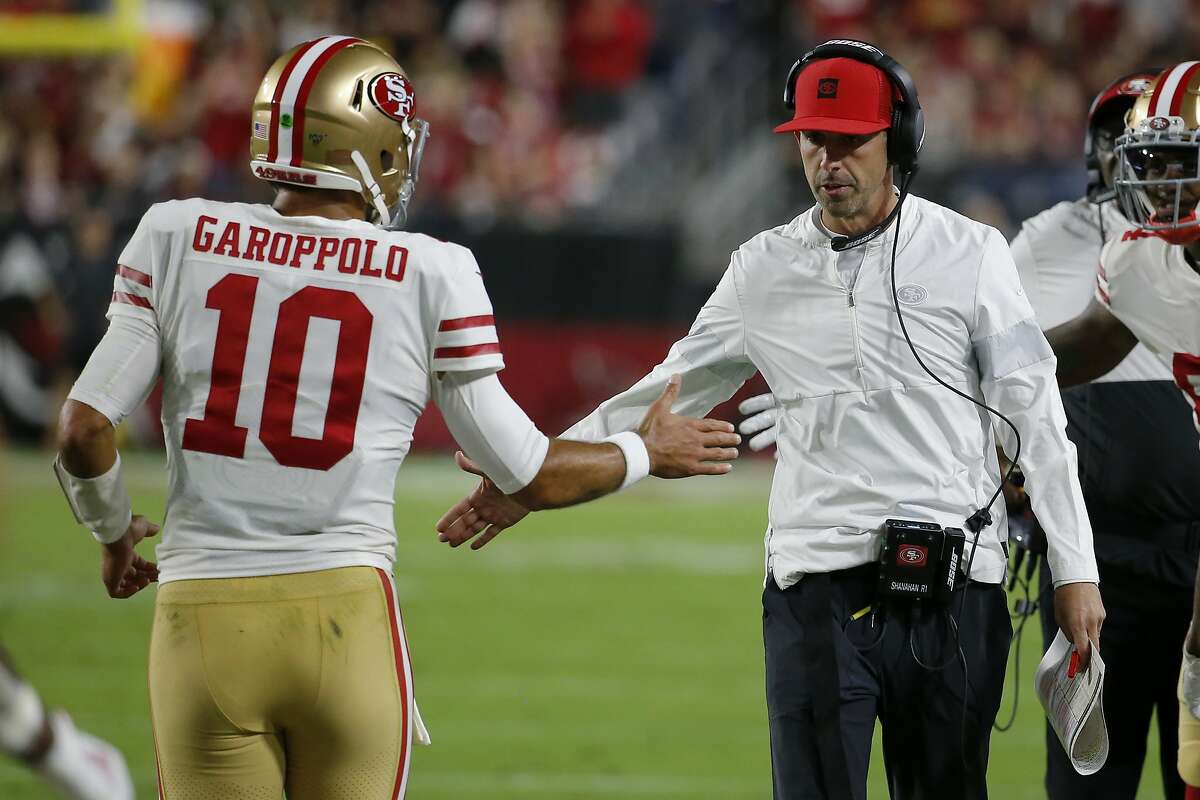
(480, 321)
(131, 299)
(467, 351)
(135, 275)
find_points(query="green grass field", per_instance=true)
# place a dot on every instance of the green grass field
(609, 651)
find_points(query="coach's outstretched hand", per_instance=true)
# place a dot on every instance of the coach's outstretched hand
(681, 447)
(677, 446)
(123, 571)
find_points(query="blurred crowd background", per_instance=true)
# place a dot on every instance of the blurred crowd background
(601, 156)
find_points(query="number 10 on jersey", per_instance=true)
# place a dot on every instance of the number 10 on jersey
(217, 432)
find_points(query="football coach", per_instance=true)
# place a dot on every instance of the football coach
(896, 338)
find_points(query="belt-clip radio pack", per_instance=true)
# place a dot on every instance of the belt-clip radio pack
(919, 560)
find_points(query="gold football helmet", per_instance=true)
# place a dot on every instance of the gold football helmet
(1158, 157)
(339, 113)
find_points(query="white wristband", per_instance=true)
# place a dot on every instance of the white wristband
(100, 504)
(637, 458)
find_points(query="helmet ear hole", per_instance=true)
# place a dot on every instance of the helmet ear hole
(386, 159)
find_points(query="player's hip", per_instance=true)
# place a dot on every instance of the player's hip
(322, 655)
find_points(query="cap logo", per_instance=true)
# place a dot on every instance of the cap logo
(827, 88)
(392, 94)
(1159, 124)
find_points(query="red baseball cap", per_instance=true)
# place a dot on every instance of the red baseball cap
(841, 95)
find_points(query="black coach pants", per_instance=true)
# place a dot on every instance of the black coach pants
(1142, 646)
(870, 662)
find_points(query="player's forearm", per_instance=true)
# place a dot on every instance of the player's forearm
(574, 472)
(86, 440)
(1089, 346)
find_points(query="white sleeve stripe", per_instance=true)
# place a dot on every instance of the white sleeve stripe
(130, 286)
(493, 362)
(466, 336)
(445, 353)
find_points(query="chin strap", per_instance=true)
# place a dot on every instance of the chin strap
(1186, 230)
(368, 180)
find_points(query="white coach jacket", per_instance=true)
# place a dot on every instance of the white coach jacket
(864, 433)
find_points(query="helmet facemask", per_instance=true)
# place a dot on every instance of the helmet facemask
(394, 216)
(1158, 178)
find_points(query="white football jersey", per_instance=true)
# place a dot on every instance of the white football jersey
(296, 356)
(1056, 253)
(1149, 285)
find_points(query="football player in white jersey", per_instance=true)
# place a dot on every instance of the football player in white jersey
(1148, 291)
(79, 765)
(297, 344)
(1138, 464)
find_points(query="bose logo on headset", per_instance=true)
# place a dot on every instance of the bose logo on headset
(858, 44)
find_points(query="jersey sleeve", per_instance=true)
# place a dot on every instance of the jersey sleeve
(465, 338)
(121, 370)
(1017, 377)
(138, 266)
(1027, 266)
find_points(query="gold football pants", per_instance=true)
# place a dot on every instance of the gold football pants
(1189, 741)
(298, 683)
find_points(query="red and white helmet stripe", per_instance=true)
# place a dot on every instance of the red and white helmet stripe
(291, 95)
(1172, 89)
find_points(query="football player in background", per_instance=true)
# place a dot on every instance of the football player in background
(298, 343)
(1138, 465)
(78, 764)
(1148, 291)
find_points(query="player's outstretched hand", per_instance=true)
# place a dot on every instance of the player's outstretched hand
(123, 571)
(762, 417)
(486, 511)
(680, 447)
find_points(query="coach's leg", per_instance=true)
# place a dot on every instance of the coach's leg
(201, 752)
(355, 742)
(802, 748)
(928, 752)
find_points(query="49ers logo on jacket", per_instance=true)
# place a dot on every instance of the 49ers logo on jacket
(392, 94)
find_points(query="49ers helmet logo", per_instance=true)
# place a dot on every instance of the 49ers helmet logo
(392, 94)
